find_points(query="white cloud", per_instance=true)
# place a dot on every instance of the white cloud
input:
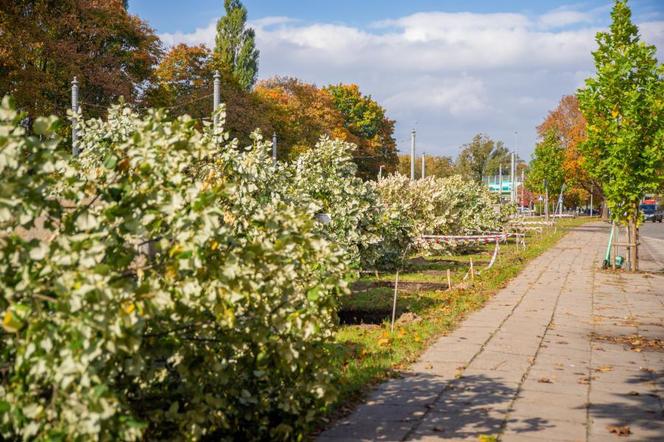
(450, 74)
(562, 18)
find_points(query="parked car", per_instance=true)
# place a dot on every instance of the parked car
(652, 212)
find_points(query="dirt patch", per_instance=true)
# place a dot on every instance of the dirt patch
(356, 317)
(403, 285)
(635, 343)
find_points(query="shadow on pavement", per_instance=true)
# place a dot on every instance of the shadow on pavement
(640, 410)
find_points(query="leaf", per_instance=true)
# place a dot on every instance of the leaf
(620, 430)
(545, 381)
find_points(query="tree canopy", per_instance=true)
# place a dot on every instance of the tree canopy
(546, 167)
(44, 44)
(483, 157)
(235, 45)
(623, 104)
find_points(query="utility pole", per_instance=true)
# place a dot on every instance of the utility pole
(216, 100)
(274, 147)
(423, 172)
(412, 155)
(546, 200)
(74, 122)
(512, 179)
(523, 185)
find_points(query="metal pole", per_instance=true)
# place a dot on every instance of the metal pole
(412, 155)
(423, 171)
(74, 123)
(512, 179)
(592, 189)
(274, 147)
(216, 96)
(523, 186)
(546, 200)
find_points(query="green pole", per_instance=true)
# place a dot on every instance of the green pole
(607, 257)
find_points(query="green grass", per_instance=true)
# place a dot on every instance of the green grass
(364, 355)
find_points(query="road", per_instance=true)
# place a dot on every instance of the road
(652, 246)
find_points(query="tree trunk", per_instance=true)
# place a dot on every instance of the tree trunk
(633, 236)
(605, 211)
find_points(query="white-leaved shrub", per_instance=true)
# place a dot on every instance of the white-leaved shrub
(169, 292)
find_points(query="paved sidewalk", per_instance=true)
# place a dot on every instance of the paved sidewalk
(539, 362)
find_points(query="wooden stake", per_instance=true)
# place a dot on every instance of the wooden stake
(394, 302)
(449, 280)
(472, 270)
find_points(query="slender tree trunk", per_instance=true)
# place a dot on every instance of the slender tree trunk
(605, 211)
(633, 236)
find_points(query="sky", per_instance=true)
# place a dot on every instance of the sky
(448, 69)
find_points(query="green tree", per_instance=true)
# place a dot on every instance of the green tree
(366, 119)
(624, 107)
(235, 45)
(546, 172)
(483, 157)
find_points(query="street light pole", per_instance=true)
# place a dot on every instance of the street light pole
(423, 171)
(412, 155)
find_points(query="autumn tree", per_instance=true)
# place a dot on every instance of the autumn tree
(483, 157)
(235, 45)
(184, 85)
(570, 125)
(300, 114)
(438, 166)
(623, 104)
(44, 44)
(368, 122)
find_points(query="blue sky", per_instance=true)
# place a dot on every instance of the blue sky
(450, 69)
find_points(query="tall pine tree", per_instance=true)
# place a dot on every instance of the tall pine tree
(235, 46)
(624, 107)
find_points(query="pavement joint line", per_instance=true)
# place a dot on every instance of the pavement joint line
(419, 421)
(590, 343)
(534, 357)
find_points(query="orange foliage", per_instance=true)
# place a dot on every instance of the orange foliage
(566, 119)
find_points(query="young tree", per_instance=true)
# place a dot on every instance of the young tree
(44, 44)
(546, 168)
(482, 157)
(235, 45)
(624, 107)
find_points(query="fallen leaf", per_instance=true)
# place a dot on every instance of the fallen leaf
(633, 393)
(438, 429)
(604, 368)
(545, 381)
(619, 430)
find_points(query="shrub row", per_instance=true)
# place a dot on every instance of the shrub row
(168, 284)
